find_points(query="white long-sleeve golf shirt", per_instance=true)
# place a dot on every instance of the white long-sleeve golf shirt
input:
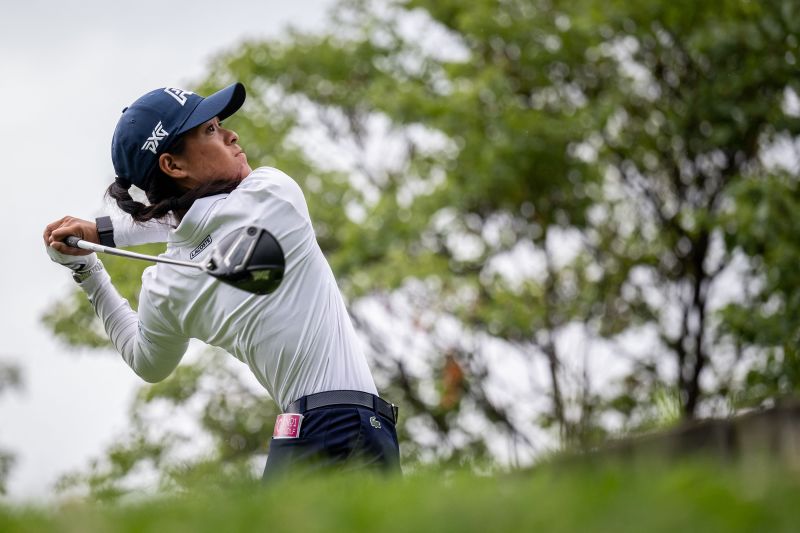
(297, 341)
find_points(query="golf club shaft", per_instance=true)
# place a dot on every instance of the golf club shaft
(92, 247)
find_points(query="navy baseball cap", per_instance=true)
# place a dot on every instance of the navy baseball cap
(151, 124)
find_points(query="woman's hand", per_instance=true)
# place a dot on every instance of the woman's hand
(56, 232)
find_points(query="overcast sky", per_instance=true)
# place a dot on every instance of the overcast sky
(67, 69)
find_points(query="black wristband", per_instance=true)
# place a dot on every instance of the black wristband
(105, 231)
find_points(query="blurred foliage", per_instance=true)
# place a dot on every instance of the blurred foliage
(10, 378)
(501, 176)
(764, 225)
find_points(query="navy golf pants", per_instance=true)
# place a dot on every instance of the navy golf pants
(341, 438)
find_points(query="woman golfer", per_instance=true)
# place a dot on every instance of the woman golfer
(298, 341)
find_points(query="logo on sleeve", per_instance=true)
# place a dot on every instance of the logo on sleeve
(202, 246)
(178, 94)
(158, 135)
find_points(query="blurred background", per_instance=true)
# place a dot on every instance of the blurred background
(68, 69)
(555, 223)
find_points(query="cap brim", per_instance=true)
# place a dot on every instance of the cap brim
(222, 104)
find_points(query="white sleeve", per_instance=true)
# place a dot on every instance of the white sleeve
(146, 341)
(130, 233)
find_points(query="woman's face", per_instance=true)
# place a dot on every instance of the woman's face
(210, 153)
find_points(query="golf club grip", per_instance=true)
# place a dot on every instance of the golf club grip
(72, 241)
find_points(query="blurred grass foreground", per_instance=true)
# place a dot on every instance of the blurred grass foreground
(735, 474)
(690, 495)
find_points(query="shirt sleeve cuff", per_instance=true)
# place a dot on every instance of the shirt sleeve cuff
(129, 233)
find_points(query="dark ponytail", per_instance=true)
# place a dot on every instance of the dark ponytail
(163, 194)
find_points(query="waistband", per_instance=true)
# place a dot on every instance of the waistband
(344, 397)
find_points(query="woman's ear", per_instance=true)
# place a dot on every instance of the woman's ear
(171, 166)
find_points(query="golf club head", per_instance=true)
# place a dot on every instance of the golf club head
(249, 258)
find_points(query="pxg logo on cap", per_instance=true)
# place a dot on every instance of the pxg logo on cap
(151, 124)
(159, 133)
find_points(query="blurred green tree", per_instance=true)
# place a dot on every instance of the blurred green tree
(10, 378)
(550, 204)
(689, 136)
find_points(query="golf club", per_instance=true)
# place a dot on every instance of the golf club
(249, 258)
